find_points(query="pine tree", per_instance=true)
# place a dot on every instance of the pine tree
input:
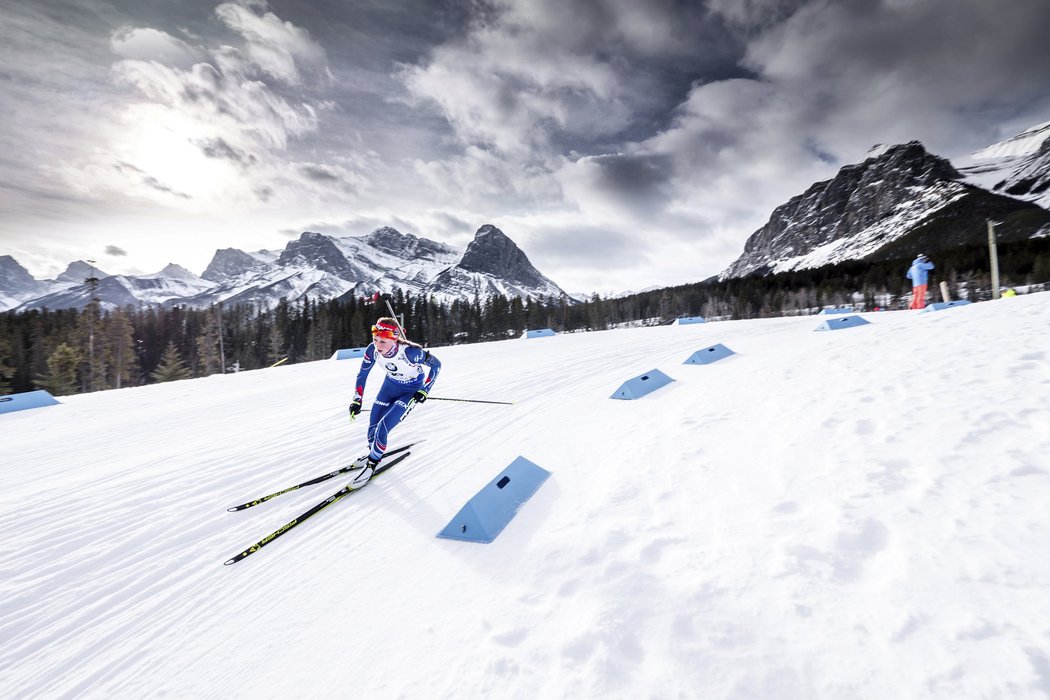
(208, 361)
(319, 339)
(276, 349)
(93, 365)
(359, 329)
(7, 372)
(61, 377)
(171, 366)
(120, 347)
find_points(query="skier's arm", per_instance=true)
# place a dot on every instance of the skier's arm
(367, 361)
(435, 366)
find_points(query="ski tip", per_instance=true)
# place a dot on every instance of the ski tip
(232, 510)
(229, 561)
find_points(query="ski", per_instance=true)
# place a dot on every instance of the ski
(345, 491)
(318, 479)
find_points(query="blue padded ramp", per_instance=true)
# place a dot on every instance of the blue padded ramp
(940, 306)
(833, 324)
(538, 333)
(639, 386)
(29, 399)
(348, 353)
(686, 320)
(841, 310)
(709, 355)
(490, 509)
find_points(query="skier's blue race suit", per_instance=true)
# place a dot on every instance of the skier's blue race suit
(404, 377)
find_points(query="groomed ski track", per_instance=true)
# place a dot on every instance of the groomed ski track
(858, 513)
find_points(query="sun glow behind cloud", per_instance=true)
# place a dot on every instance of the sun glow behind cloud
(163, 146)
(206, 125)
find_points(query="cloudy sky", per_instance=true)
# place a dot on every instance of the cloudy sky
(621, 143)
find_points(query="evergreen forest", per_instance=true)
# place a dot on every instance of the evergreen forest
(68, 351)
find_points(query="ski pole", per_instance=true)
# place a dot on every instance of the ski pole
(394, 316)
(442, 398)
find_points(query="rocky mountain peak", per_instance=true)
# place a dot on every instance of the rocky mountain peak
(228, 263)
(492, 252)
(320, 252)
(913, 161)
(15, 279)
(850, 207)
(173, 271)
(406, 245)
(78, 271)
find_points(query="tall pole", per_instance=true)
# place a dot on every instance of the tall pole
(995, 259)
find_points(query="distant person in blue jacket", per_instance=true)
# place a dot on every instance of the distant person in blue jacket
(410, 374)
(917, 273)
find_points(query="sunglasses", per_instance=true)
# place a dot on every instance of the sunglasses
(384, 332)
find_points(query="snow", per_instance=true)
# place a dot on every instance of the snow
(860, 513)
(1009, 160)
(1026, 143)
(878, 150)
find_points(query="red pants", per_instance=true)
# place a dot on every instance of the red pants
(918, 297)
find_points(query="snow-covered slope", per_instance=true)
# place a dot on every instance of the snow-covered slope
(1018, 166)
(824, 515)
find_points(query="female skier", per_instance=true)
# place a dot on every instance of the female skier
(405, 385)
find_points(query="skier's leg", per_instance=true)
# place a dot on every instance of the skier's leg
(920, 297)
(397, 407)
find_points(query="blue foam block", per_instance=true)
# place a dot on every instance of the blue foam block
(539, 333)
(637, 387)
(834, 324)
(29, 399)
(939, 306)
(348, 353)
(487, 512)
(709, 355)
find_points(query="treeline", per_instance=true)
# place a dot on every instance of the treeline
(71, 351)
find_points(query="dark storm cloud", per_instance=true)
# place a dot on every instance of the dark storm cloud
(639, 178)
(583, 75)
(589, 247)
(624, 126)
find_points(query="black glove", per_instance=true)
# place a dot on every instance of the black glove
(420, 396)
(355, 408)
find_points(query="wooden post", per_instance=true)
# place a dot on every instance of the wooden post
(995, 259)
(945, 294)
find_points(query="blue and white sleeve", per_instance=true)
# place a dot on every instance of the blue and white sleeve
(367, 361)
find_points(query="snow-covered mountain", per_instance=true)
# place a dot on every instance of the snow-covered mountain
(900, 200)
(1018, 166)
(16, 284)
(118, 291)
(315, 266)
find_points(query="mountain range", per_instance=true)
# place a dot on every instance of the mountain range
(315, 266)
(899, 201)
